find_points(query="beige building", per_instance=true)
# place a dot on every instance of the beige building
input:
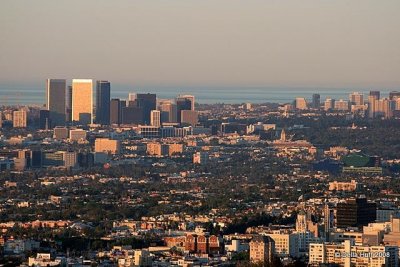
(262, 249)
(356, 98)
(82, 101)
(393, 237)
(301, 103)
(155, 118)
(343, 186)
(190, 117)
(70, 159)
(168, 111)
(157, 149)
(175, 149)
(19, 119)
(341, 105)
(107, 145)
(200, 158)
(328, 104)
(44, 259)
(138, 257)
(348, 255)
(384, 108)
(77, 135)
(286, 243)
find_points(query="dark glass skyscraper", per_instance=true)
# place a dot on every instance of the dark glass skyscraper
(115, 111)
(69, 103)
(147, 102)
(375, 94)
(182, 104)
(56, 100)
(44, 119)
(355, 212)
(103, 102)
(316, 101)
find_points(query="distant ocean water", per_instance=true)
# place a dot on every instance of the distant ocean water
(24, 94)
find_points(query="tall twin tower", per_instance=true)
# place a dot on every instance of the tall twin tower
(75, 103)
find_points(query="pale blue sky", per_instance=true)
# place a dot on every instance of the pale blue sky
(329, 43)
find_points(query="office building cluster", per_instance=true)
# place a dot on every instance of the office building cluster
(78, 104)
(374, 106)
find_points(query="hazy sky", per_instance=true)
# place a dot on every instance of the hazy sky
(203, 42)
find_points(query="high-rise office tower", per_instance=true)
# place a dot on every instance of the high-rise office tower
(316, 101)
(356, 98)
(103, 102)
(168, 111)
(301, 103)
(329, 104)
(155, 118)
(131, 97)
(384, 107)
(371, 106)
(355, 212)
(342, 105)
(19, 119)
(188, 97)
(182, 104)
(44, 119)
(376, 94)
(189, 117)
(69, 104)
(328, 220)
(82, 101)
(115, 111)
(372, 103)
(56, 101)
(132, 115)
(123, 104)
(147, 102)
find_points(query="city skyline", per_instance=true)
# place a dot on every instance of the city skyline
(200, 133)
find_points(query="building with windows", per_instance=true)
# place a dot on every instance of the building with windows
(341, 105)
(355, 212)
(329, 104)
(56, 101)
(347, 255)
(301, 103)
(107, 146)
(82, 101)
(356, 98)
(262, 249)
(77, 134)
(316, 101)
(103, 89)
(155, 118)
(60, 133)
(189, 117)
(115, 111)
(168, 111)
(19, 119)
(147, 102)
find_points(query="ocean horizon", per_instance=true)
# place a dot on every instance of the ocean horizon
(35, 94)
